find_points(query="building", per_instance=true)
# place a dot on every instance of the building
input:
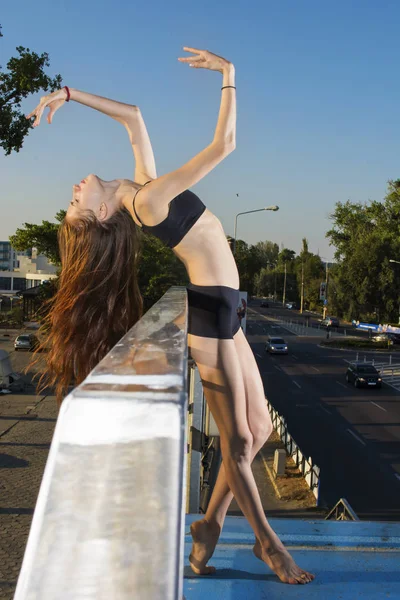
(23, 270)
(8, 256)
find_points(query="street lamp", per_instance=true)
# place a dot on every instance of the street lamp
(397, 263)
(326, 287)
(273, 208)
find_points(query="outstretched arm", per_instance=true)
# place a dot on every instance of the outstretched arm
(126, 114)
(164, 188)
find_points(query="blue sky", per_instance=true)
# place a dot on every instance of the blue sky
(318, 93)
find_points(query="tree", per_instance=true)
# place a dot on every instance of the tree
(25, 76)
(43, 237)
(366, 236)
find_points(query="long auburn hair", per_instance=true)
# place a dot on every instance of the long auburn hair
(97, 299)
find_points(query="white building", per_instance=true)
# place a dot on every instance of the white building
(23, 270)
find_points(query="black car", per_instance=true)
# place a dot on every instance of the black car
(363, 375)
(264, 304)
(395, 337)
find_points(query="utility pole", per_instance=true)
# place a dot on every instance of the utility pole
(302, 288)
(326, 290)
(284, 289)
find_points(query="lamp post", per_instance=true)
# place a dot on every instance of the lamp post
(273, 208)
(397, 262)
(284, 290)
(326, 286)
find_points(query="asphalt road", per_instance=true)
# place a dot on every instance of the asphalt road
(276, 309)
(352, 434)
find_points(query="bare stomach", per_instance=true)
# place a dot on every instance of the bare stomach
(206, 254)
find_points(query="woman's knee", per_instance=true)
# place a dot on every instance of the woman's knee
(261, 429)
(238, 446)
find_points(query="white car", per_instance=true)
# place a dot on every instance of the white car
(276, 345)
(26, 341)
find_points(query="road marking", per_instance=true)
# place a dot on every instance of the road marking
(356, 437)
(259, 355)
(397, 475)
(341, 384)
(381, 407)
(276, 367)
(326, 410)
(295, 383)
(315, 369)
(294, 356)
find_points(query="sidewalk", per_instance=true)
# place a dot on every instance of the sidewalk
(25, 437)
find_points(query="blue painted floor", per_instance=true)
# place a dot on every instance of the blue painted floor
(354, 560)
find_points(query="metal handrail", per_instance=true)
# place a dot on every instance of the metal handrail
(109, 520)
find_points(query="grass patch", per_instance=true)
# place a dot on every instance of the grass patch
(357, 343)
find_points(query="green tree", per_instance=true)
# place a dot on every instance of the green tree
(25, 75)
(309, 274)
(43, 237)
(366, 236)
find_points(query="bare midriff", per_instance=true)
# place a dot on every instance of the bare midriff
(206, 254)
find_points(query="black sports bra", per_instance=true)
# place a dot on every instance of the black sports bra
(184, 211)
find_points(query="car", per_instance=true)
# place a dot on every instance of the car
(330, 322)
(276, 345)
(264, 304)
(363, 375)
(395, 337)
(26, 341)
(291, 305)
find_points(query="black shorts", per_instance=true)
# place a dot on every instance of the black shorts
(212, 311)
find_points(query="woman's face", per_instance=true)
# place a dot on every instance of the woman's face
(96, 195)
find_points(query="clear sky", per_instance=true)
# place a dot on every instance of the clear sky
(318, 91)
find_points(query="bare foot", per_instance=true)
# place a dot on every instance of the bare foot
(279, 560)
(205, 537)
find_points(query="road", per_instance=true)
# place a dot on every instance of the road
(311, 318)
(352, 434)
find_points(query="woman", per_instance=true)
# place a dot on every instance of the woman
(98, 293)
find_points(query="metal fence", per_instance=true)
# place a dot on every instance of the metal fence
(309, 470)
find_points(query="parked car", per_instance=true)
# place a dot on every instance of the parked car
(276, 345)
(26, 341)
(363, 375)
(383, 337)
(395, 337)
(291, 305)
(264, 304)
(330, 322)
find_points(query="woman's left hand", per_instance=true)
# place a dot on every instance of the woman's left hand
(53, 102)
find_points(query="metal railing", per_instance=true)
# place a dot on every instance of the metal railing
(309, 470)
(342, 511)
(109, 518)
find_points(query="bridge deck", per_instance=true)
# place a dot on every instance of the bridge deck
(350, 559)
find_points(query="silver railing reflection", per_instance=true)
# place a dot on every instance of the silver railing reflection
(109, 518)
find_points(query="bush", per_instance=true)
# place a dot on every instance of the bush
(12, 319)
(355, 343)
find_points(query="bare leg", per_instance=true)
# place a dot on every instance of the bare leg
(206, 532)
(220, 369)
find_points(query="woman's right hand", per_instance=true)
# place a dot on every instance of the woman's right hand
(204, 59)
(53, 102)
